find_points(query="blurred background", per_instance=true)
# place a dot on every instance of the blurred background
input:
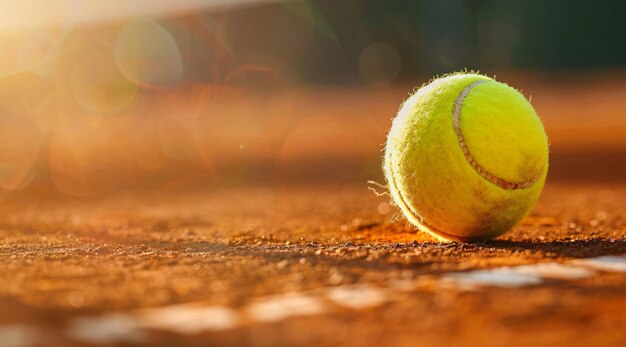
(98, 97)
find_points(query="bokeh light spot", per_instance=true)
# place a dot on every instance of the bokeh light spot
(99, 86)
(59, 112)
(19, 145)
(92, 161)
(383, 208)
(187, 102)
(148, 55)
(37, 48)
(25, 50)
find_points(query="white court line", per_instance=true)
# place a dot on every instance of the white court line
(555, 271)
(514, 276)
(280, 307)
(106, 329)
(499, 277)
(196, 318)
(604, 263)
(18, 335)
(189, 319)
(357, 297)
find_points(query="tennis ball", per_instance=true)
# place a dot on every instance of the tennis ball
(466, 158)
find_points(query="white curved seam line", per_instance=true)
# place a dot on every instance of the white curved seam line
(456, 121)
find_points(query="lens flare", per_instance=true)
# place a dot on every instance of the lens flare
(58, 112)
(148, 55)
(99, 86)
(27, 50)
(186, 103)
(19, 145)
(177, 141)
(92, 161)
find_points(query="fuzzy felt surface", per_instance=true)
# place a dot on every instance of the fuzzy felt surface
(429, 176)
(503, 133)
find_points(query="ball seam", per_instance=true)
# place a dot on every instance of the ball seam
(456, 122)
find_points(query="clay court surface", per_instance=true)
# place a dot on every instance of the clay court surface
(303, 253)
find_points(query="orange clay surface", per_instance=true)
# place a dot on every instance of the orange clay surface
(306, 254)
(62, 259)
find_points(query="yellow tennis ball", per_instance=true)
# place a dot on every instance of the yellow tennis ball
(466, 157)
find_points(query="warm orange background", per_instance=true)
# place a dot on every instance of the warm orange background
(118, 102)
